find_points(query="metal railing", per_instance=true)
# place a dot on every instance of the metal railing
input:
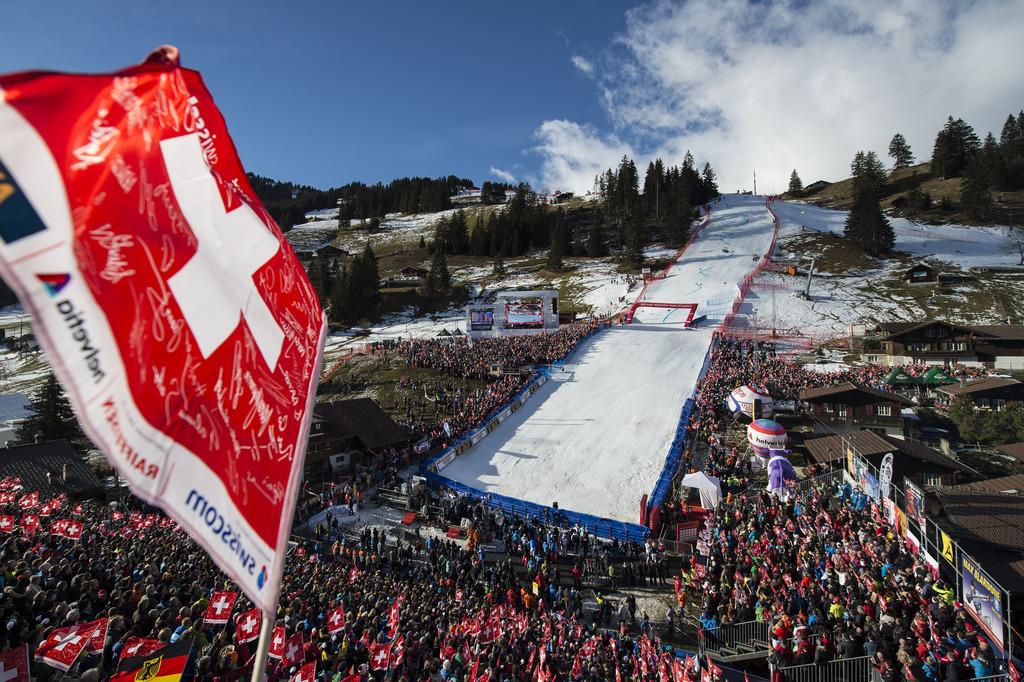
(825, 479)
(842, 670)
(752, 633)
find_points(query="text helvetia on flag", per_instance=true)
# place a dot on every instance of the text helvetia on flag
(176, 316)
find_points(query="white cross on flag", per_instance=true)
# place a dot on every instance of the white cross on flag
(7, 523)
(63, 645)
(219, 610)
(277, 643)
(336, 619)
(14, 665)
(247, 627)
(30, 523)
(29, 500)
(397, 652)
(307, 673)
(8, 497)
(380, 656)
(294, 649)
(174, 312)
(137, 646)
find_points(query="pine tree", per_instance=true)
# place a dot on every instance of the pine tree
(52, 418)
(595, 243)
(316, 274)
(341, 311)
(954, 146)
(899, 150)
(708, 183)
(499, 265)
(559, 242)
(555, 255)
(796, 185)
(866, 224)
(369, 283)
(438, 279)
(975, 190)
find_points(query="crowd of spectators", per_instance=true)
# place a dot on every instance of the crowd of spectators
(504, 363)
(457, 612)
(834, 580)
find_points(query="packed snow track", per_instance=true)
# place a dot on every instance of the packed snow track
(595, 437)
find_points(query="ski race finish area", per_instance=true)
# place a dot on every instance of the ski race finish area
(595, 436)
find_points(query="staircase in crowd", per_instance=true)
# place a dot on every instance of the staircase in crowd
(735, 641)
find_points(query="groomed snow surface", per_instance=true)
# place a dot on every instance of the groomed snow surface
(594, 439)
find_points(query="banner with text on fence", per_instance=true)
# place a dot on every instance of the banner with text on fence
(915, 503)
(174, 313)
(983, 599)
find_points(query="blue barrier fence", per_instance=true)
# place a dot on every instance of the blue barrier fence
(680, 442)
(604, 528)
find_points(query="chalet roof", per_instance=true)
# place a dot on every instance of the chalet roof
(1015, 450)
(918, 267)
(834, 390)
(993, 519)
(1002, 332)
(977, 386)
(68, 472)
(868, 443)
(1005, 485)
(364, 419)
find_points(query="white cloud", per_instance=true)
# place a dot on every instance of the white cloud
(777, 86)
(503, 175)
(572, 154)
(583, 64)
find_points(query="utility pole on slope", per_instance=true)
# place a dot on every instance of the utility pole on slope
(755, 182)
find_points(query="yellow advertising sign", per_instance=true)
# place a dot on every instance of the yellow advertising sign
(947, 547)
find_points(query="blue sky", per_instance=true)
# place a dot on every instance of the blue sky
(328, 92)
(554, 92)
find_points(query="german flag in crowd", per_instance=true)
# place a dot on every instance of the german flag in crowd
(168, 664)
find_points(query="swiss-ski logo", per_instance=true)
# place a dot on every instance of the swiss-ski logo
(54, 283)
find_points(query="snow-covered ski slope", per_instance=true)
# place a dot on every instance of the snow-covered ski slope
(595, 437)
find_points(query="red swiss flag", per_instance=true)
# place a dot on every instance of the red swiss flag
(14, 664)
(63, 645)
(7, 523)
(307, 673)
(174, 312)
(380, 656)
(336, 619)
(247, 627)
(137, 646)
(219, 610)
(277, 642)
(29, 500)
(294, 650)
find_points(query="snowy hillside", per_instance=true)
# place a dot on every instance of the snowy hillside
(850, 287)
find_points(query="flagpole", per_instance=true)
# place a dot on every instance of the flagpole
(259, 666)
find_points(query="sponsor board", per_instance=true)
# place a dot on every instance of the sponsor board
(982, 599)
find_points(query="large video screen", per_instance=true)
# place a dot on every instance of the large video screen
(524, 314)
(481, 319)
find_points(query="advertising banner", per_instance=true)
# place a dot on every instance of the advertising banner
(915, 502)
(982, 599)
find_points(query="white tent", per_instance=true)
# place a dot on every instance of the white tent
(708, 486)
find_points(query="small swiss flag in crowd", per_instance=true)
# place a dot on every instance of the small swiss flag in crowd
(219, 610)
(247, 627)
